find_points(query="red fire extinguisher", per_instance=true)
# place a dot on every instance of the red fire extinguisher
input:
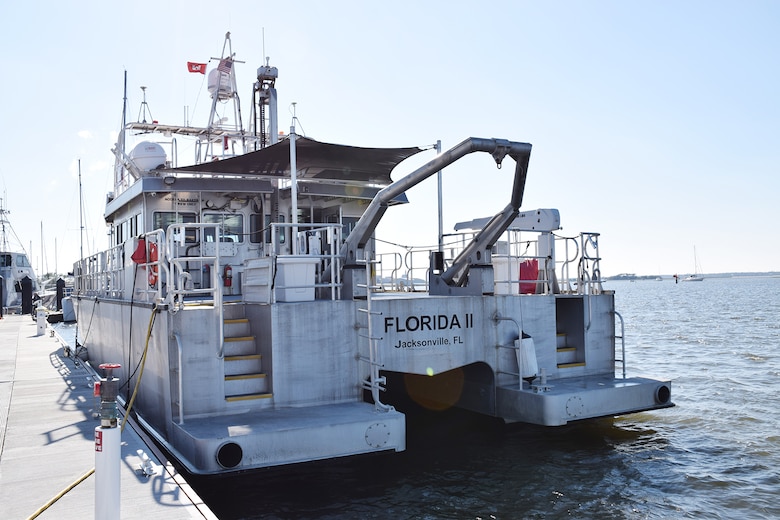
(228, 276)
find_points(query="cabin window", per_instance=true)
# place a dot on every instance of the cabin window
(5, 260)
(232, 226)
(163, 219)
(282, 230)
(259, 228)
(21, 261)
(347, 225)
(134, 225)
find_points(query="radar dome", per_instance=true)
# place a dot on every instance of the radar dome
(147, 156)
(222, 81)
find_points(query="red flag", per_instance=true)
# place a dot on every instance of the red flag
(196, 67)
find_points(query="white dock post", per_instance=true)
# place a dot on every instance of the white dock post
(40, 320)
(108, 448)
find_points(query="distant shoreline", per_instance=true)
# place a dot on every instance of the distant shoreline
(632, 277)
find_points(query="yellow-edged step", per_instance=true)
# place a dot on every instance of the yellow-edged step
(239, 377)
(243, 357)
(247, 397)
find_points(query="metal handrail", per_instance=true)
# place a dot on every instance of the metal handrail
(397, 263)
(180, 351)
(177, 233)
(331, 257)
(158, 237)
(622, 337)
(497, 317)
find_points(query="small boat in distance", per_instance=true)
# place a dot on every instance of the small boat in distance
(696, 276)
(260, 322)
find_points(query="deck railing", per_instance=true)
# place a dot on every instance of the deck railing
(328, 269)
(569, 265)
(101, 274)
(181, 284)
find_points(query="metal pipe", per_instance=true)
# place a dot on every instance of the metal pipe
(498, 148)
(180, 377)
(441, 216)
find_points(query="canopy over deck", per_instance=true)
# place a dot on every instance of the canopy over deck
(315, 160)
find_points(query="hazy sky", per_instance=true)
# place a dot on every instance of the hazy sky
(653, 123)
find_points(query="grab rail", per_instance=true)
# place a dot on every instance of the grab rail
(622, 337)
(178, 289)
(497, 317)
(180, 350)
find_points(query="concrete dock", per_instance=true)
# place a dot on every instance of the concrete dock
(47, 439)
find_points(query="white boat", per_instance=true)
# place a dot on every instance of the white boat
(247, 300)
(14, 265)
(696, 276)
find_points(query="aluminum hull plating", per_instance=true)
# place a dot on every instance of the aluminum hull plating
(317, 409)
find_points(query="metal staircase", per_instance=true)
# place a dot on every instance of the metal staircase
(566, 356)
(244, 376)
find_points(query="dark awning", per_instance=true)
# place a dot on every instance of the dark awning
(315, 160)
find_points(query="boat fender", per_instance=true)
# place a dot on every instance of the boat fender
(153, 256)
(526, 358)
(228, 276)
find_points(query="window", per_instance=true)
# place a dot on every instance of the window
(348, 224)
(163, 219)
(21, 261)
(232, 226)
(5, 260)
(259, 228)
(134, 225)
(118, 239)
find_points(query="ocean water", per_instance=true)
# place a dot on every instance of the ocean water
(715, 455)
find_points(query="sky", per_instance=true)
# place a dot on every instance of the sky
(652, 123)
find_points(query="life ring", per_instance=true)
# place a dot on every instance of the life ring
(152, 268)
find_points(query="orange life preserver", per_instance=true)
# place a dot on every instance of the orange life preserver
(152, 268)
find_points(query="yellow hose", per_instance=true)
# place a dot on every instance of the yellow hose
(86, 475)
(61, 494)
(143, 363)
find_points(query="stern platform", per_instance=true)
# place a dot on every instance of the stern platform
(210, 445)
(581, 398)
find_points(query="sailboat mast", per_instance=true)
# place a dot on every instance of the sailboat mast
(4, 244)
(81, 218)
